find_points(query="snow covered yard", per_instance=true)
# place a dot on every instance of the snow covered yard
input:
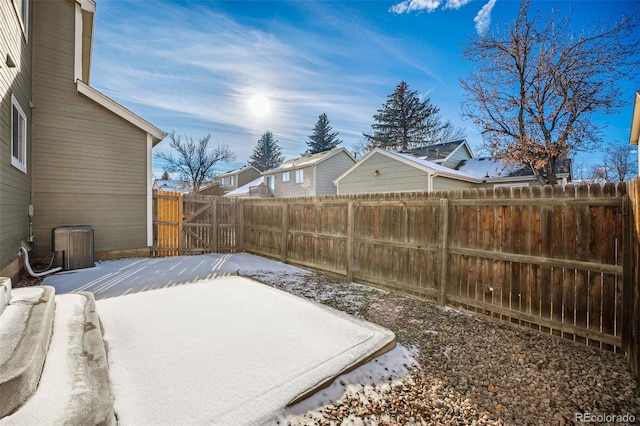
(225, 351)
(450, 366)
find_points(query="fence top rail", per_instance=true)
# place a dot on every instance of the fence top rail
(594, 192)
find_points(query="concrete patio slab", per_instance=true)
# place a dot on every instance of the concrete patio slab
(226, 351)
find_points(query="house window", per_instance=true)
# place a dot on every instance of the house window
(271, 182)
(18, 136)
(22, 7)
(231, 181)
(221, 181)
(299, 175)
(286, 177)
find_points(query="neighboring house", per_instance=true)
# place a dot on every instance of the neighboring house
(211, 188)
(383, 171)
(309, 175)
(178, 186)
(495, 174)
(448, 154)
(68, 154)
(255, 188)
(236, 178)
(634, 138)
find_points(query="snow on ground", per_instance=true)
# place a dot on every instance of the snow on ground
(127, 276)
(116, 277)
(224, 351)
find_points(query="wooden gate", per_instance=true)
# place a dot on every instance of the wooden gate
(167, 222)
(195, 224)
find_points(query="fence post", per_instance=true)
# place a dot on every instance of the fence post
(349, 240)
(444, 249)
(285, 224)
(180, 231)
(240, 225)
(214, 224)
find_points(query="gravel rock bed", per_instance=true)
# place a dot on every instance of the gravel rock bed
(470, 369)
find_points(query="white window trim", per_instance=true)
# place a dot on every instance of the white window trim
(286, 176)
(299, 176)
(15, 160)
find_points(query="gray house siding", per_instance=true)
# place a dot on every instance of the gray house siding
(15, 185)
(441, 183)
(328, 171)
(89, 165)
(462, 153)
(393, 176)
(240, 177)
(293, 189)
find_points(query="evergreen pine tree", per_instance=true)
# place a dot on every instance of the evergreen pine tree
(165, 175)
(405, 122)
(267, 154)
(322, 138)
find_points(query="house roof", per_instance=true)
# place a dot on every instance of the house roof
(486, 168)
(244, 189)
(419, 163)
(172, 186)
(307, 160)
(209, 185)
(438, 152)
(236, 172)
(635, 122)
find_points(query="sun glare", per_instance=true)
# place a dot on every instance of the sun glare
(259, 106)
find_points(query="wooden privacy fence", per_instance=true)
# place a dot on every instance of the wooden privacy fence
(194, 224)
(631, 292)
(564, 260)
(549, 258)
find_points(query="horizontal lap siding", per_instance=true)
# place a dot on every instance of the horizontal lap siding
(441, 183)
(328, 170)
(14, 184)
(89, 164)
(393, 176)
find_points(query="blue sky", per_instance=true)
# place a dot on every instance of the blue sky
(200, 67)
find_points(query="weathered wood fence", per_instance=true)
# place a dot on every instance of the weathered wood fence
(550, 258)
(564, 260)
(631, 292)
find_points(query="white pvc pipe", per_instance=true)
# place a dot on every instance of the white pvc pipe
(25, 253)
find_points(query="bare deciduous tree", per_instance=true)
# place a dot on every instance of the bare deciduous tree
(537, 84)
(619, 163)
(194, 161)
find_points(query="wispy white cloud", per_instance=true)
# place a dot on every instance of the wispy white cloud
(483, 18)
(197, 77)
(415, 5)
(455, 4)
